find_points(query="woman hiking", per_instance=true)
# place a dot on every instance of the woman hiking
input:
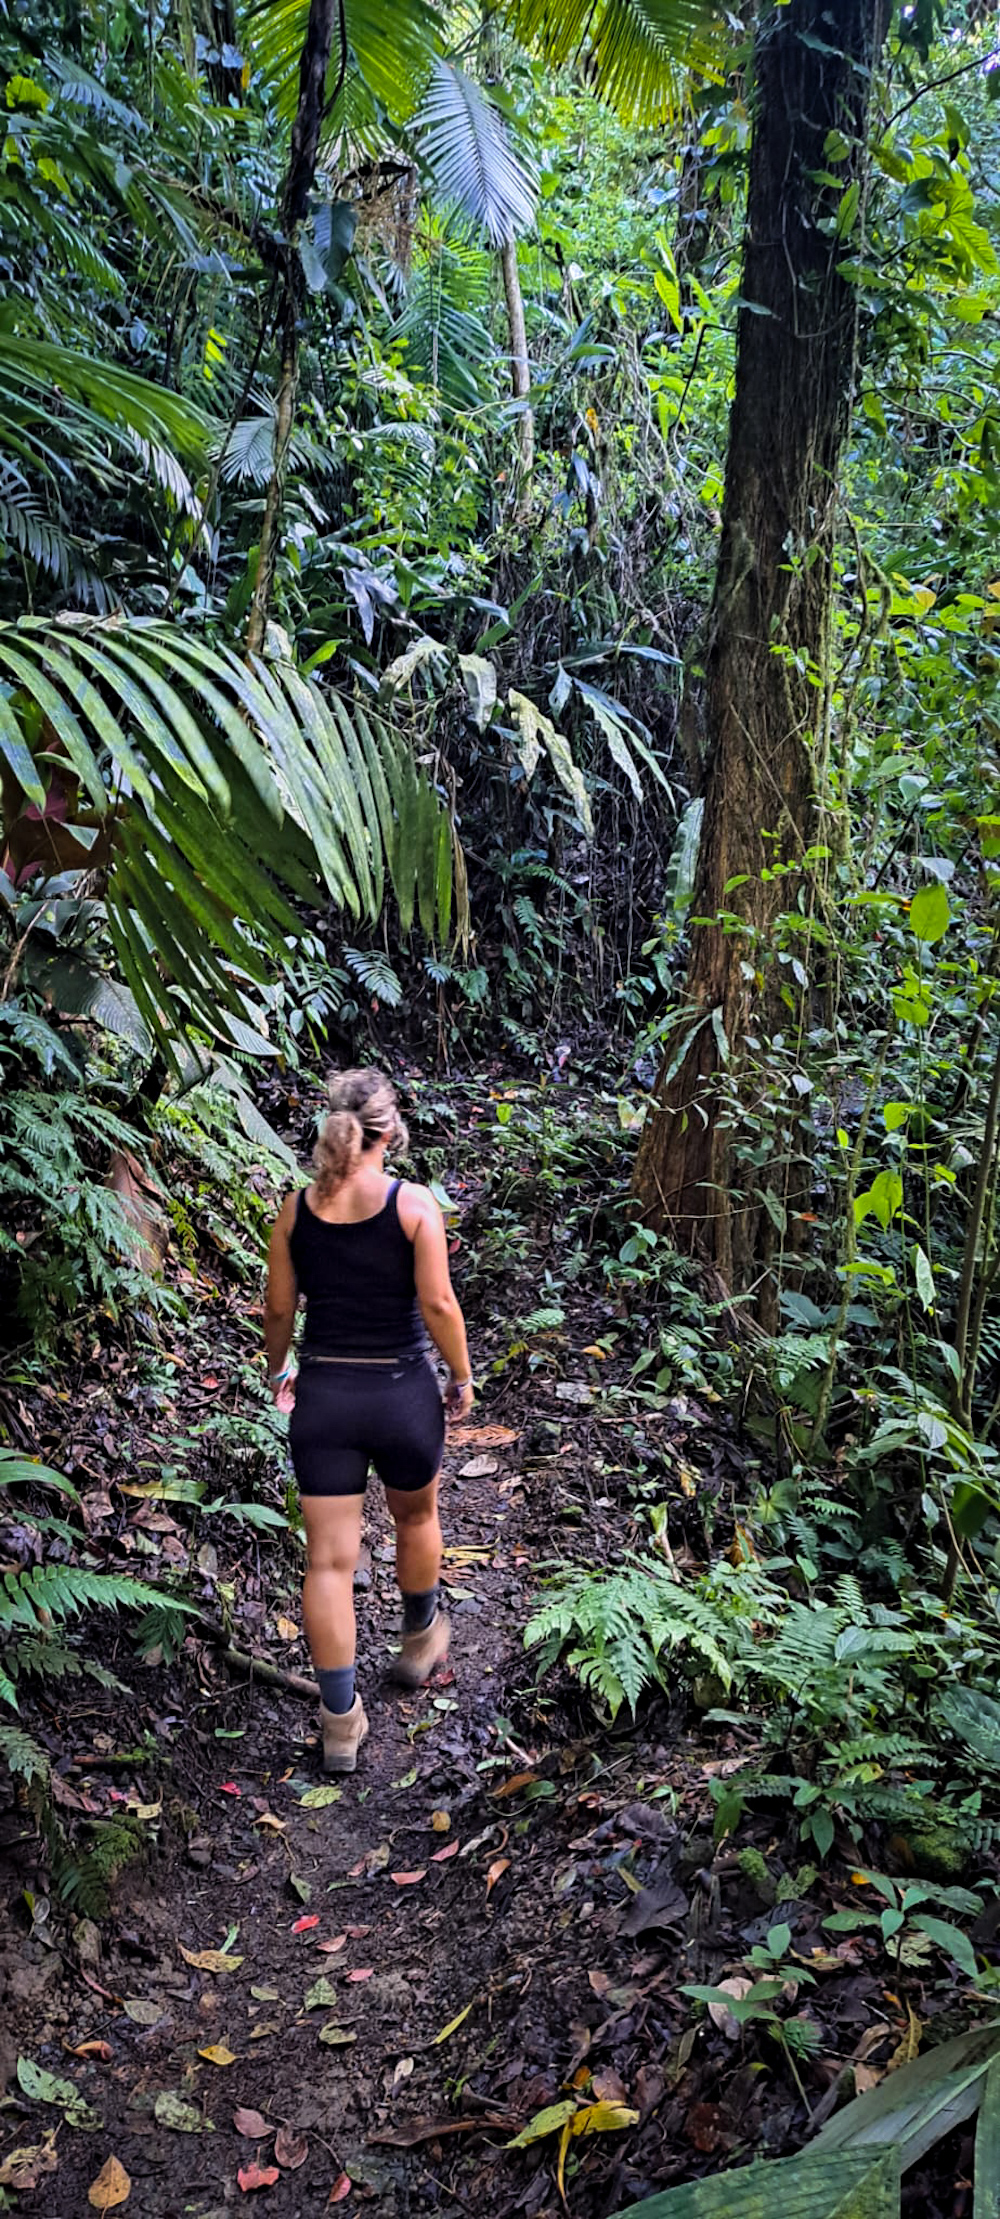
(370, 1256)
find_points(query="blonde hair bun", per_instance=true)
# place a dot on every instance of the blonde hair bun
(363, 1110)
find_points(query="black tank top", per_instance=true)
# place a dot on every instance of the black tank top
(359, 1284)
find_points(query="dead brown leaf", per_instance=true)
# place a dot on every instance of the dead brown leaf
(433, 2130)
(251, 2123)
(737, 1987)
(482, 1436)
(24, 2167)
(111, 2188)
(290, 2149)
(210, 1960)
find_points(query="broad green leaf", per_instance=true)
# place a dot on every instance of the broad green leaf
(930, 913)
(45, 2087)
(915, 2107)
(549, 2121)
(848, 2185)
(970, 1508)
(951, 1939)
(986, 2198)
(16, 752)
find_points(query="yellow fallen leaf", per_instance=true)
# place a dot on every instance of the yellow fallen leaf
(909, 2046)
(600, 1353)
(111, 2188)
(287, 1628)
(603, 2118)
(592, 2118)
(452, 2025)
(272, 1824)
(218, 2054)
(497, 1869)
(441, 1822)
(210, 1960)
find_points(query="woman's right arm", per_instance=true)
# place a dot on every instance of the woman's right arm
(282, 1295)
(439, 1306)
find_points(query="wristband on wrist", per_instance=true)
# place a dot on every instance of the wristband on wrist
(276, 1377)
(461, 1384)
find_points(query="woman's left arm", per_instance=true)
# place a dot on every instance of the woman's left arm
(282, 1295)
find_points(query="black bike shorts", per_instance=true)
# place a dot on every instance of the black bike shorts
(348, 1416)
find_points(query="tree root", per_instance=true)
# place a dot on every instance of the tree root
(250, 1667)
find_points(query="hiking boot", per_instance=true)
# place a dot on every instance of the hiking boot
(421, 1653)
(343, 1734)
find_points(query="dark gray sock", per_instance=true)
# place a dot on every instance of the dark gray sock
(418, 1610)
(336, 1686)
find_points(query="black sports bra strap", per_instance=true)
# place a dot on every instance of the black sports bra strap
(393, 1194)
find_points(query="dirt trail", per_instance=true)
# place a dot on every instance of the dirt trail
(407, 1876)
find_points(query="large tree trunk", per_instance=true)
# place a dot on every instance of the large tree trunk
(766, 659)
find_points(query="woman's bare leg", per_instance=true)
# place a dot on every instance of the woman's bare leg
(418, 1537)
(333, 1541)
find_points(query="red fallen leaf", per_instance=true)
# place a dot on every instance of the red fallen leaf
(450, 1849)
(329, 1948)
(305, 1924)
(251, 2123)
(290, 2149)
(229, 1787)
(209, 1379)
(357, 1933)
(257, 2176)
(364, 1973)
(92, 2049)
(512, 1787)
(408, 1879)
(444, 1679)
(340, 2189)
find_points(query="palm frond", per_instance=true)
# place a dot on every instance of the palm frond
(391, 45)
(443, 319)
(213, 793)
(464, 143)
(52, 395)
(634, 50)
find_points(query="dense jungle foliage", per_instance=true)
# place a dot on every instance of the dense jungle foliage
(501, 579)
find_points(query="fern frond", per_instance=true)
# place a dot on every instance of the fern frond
(22, 1754)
